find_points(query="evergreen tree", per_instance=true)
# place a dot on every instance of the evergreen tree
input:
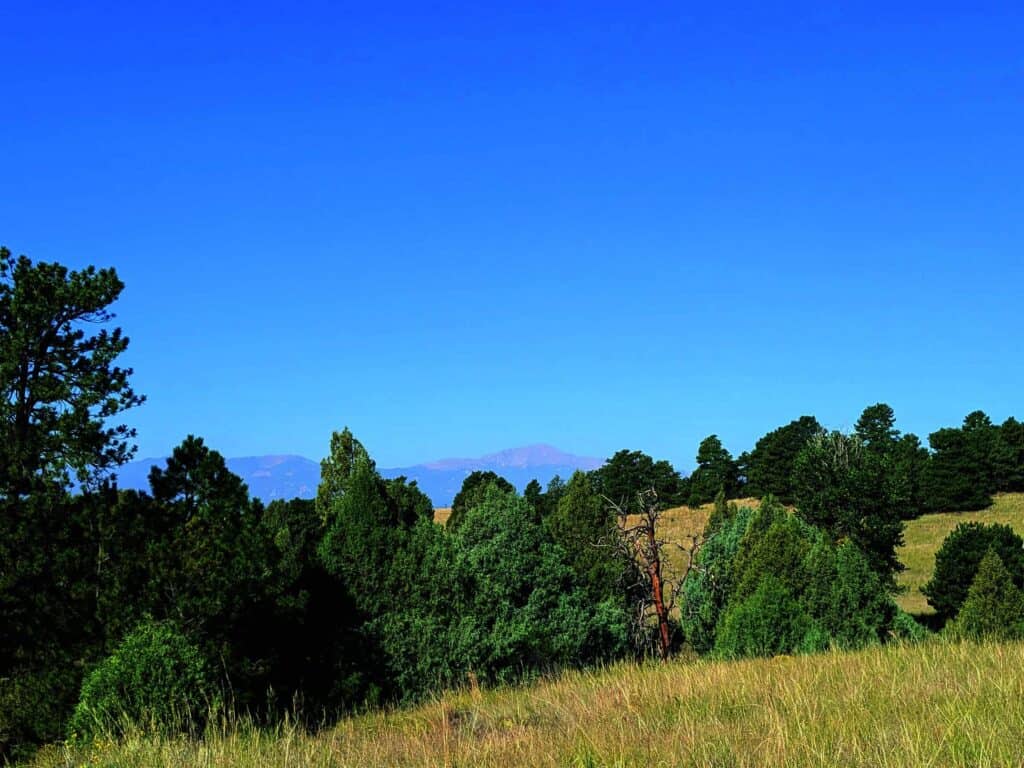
(1011, 470)
(474, 489)
(361, 538)
(628, 473)
(716, 471)
(994, 607)
(768, 469)
(854, 493)
(968, 465)
(336, 470)
(585, 527)
(958, 560)
(62, 396)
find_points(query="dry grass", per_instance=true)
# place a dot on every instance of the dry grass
(441, 514)
(935, 704)
(924, 536)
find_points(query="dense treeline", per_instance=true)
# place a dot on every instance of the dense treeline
(164, 606)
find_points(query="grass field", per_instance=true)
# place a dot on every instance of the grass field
(934, 704)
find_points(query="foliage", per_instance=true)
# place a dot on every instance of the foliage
(62, 394)
(361, 537)
(768, 468)
(628, 473)
(585, 527)
(969, 464)
(1011, 436)
(716, 471)
(60, 386)
(767, 622)
(855, 494)
(156, 679)
(495, 598)
(337, 468)
(906, 460)
(708, 589)
(994, 607)
(756, 556)
(474, 489)
(958, 560)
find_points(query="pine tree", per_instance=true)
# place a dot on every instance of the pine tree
(994, 607)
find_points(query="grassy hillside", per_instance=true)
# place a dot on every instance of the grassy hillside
(935, 704)
(924, 536)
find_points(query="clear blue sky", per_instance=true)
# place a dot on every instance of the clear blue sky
(457, 228)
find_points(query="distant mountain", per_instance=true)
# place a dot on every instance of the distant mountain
(268, 477)
(287, 477)
(442, 479)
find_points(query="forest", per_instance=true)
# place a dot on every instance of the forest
(167, 609)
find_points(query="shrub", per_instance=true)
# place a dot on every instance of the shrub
(155, 679)
(769, 622)
(957, 561)
(707, 589)
(994, 607)
(905, 627)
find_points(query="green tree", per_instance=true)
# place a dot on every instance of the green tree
(1011, 435)
(495, 598)
(61, 388)
(904, 455)
(855, 494)
(767, 622)
(967, 466)
(62, 394)
(155, 680)
(304, 629)
(337, 468)
(709, 588)
(629, 473)
(361, 538)
(586, 528)
(958, 559)
(716, 471)
(994, 607)
(768, 468)
(474, 489)
(876, 428)
(209, 566)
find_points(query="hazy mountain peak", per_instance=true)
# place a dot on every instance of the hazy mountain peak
(286, 476)
(524, 457)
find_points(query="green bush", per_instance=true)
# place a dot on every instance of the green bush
(768, 622)
(905, 627)
(155, 680)
(994, 607)
(958, 559)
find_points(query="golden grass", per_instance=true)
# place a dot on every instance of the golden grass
(924, 536)
(935, 704)
(441, 514)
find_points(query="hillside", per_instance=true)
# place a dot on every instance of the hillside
(934, 704)
(924, 536)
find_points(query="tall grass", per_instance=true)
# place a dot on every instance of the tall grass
(935, 704)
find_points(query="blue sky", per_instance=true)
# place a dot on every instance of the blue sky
(596, 225)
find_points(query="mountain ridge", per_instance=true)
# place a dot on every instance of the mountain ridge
(287, 476)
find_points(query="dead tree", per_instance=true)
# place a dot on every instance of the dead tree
(658, 583)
